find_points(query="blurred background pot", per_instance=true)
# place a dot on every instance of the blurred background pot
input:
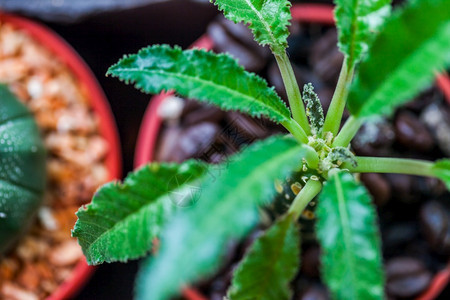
(152, 121)
(99, 104)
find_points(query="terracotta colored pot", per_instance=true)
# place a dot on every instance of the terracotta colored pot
(148, 134)
(99, 104)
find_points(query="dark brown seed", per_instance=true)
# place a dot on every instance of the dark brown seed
(193, 141)
(402, 187)
(374, 139)
(326, 59)
(406, 277)
(167, 143)
(204, 114)
(435, 223)
(411, 133)
(378, 187)
(190, 106)
(236, 40)
(242, 34)
(437, 119)
(240, 125)
(430, 187)
(399, 234)
(424, 99)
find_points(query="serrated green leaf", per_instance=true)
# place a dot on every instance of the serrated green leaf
(349, 237)
(441, 169)
(268, 19)
(227, 209)
(270, 264)
(358, 22)
(123, 219)
(204, 76)
(403, 59)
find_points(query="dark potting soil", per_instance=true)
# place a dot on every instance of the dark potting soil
(414, 218)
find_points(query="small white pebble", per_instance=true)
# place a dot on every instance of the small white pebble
(171, 108)
(66, 254)
(14, 292)
(46, 218)
(35, 88)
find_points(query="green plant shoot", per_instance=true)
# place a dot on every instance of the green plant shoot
(389, 58)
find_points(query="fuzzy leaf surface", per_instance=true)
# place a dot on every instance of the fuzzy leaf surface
(268, 19)
(194, 242)
(442, 170)
(358, 22)
(314, 110)
(403, 59)
(270, 264)
(124, 218)
(202, 75)
(349, 237)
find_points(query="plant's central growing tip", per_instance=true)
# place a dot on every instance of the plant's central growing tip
(329, 157)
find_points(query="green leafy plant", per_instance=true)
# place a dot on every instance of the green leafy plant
(394, 56)
(22, 168)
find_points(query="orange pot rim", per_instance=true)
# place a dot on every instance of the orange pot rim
(107, 125)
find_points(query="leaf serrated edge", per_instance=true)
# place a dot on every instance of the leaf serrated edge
(277, 46)
(280, 111)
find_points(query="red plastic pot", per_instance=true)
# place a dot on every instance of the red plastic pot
(99, 103)
(148, 134)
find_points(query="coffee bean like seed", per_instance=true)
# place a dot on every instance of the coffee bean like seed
(236, 39)
(374, 139)
(425, 99)
(412, 133)
(378, 187)
(437, 118)
(402, 187)
(399, 234)
(406, 277)
(192, 141)
(246, 126)
(204, 114)
(435, 224)
(167, 143)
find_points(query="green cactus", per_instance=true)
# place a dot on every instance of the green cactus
(22, 168)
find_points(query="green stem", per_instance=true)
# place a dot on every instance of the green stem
(292, 90)
(311, 157)
(347, 132)
(296, 131)
(308, 192)
(337, 105)
(392, 165)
